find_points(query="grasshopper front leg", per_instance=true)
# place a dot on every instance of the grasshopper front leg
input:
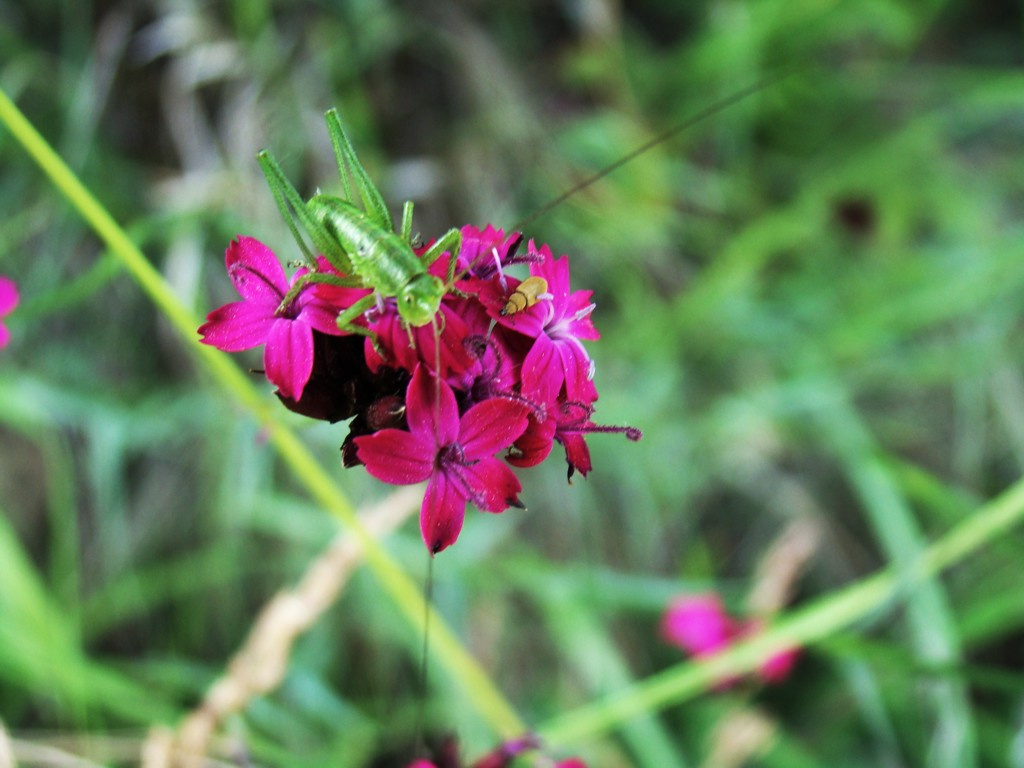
(450, 241)
(346, 320)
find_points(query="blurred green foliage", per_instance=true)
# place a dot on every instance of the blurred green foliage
(810, 302)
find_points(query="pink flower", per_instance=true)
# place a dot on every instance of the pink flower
(259, 319)
(8, 301)
(455, 455)
(699, 625)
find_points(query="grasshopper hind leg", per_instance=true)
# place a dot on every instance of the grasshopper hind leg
(350, 167)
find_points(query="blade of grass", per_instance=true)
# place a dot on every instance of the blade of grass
(600, 664)
(931, 621)
(445, 646)
(862, 682)
(40, 649)
(801, 627)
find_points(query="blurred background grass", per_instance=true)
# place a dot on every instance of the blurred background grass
(810, 303)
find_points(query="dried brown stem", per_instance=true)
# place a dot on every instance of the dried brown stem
(741, 735)
(782, 565)
(6, 755)
(260, 664)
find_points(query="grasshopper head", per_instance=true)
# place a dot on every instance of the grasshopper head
(420, 299)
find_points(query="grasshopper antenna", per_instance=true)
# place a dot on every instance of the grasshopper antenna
(665, 135)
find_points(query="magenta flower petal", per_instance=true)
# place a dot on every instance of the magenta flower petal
(578, 307)
(698, 624)
(442, 513)
(577, 454)
(321, 316)
(321, 303)
(453, 355)
(288, 356)
(494, 486)
(555, 359)
(8, 301)
(260, 279)
(576, 365)
(396, 456)
(393, 335)
(255, 271)
(534, 445)
(336, 296)
(542, 376)
(491, 426)
(778, 667)
(498, 359)
(430, 409)
(556, 272)
(8, 295)
(237, 326)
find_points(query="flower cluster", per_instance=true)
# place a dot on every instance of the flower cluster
(8, 301)
(699, 625)
(500, 371)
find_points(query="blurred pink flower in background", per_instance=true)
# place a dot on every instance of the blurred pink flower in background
(699, 625)
(8, 301)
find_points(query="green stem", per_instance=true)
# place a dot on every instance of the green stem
(799, 628)
(450, 653)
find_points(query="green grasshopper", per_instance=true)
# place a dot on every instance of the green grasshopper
(362, 244)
